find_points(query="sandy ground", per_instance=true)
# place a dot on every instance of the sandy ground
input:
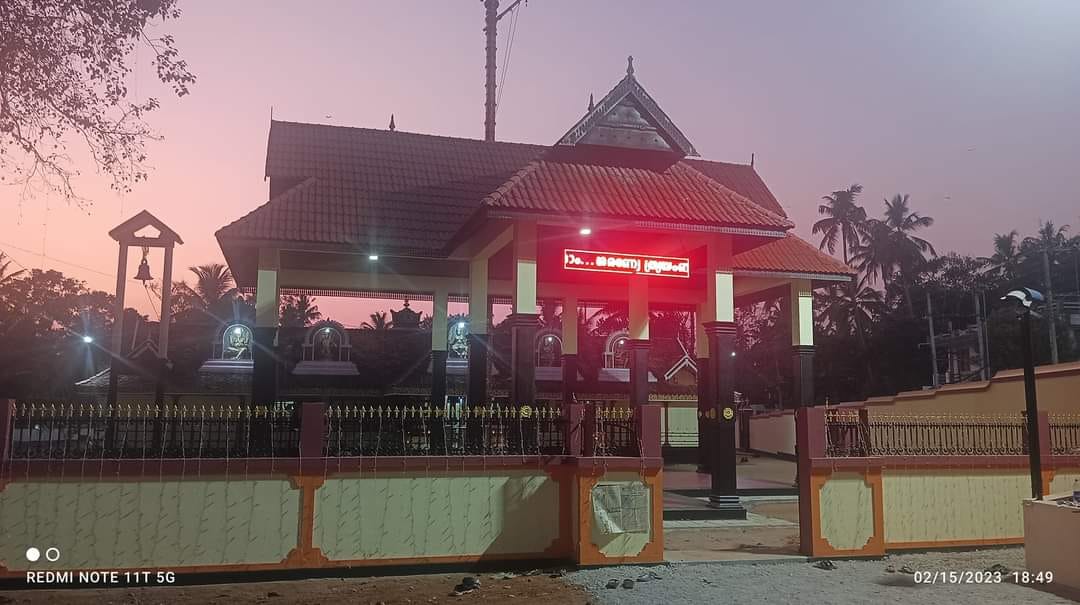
(851, 583)
(539, 589)
(723, 543)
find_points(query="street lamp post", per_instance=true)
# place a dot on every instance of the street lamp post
(1025, 297)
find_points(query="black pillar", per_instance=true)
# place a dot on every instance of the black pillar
(264, 377)
(478, 363)
(704, 396)
(438, 379)
(437, 442)
(569, 377)
(523, 358)
(802, 376)
(639, 371)
(721, 415)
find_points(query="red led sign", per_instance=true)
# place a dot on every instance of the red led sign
(631, 264)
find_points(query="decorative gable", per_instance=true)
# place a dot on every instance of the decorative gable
(628, 117)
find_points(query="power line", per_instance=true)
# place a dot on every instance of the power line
(506, 56)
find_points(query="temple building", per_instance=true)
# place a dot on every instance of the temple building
(620, 209)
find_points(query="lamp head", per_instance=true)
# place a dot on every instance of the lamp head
(1025, 296)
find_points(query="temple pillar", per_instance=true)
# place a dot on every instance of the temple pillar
(438, 348)
(720, 415)
(639, 340)
(704, 394)
(267, 317)
(479, 316)
(523, 320)
(802, 342)
(569, 348)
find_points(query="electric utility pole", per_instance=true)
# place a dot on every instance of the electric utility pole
(491, 26)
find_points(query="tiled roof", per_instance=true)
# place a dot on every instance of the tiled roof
(742, 178)
(402, 192)
(679, 193)
(790, 254)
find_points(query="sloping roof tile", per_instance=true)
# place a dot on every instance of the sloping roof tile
(403, 193)
(790, 254)
(678, 193)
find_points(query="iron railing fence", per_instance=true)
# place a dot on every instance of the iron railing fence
(1064, 434)
(94, 431)
(378, 430)
(847, 434)
(615, 431)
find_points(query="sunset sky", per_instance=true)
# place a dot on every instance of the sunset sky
(971, 107)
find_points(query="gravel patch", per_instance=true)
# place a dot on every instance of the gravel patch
(851, 582)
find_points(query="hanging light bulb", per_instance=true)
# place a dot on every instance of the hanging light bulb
(143, 274)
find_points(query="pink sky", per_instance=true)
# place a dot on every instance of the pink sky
(969, 106)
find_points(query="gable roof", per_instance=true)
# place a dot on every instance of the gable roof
(678, 193)
(628, 116)
(126, 230)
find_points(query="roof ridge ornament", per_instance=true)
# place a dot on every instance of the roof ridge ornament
(630, 65)
(392, 126)
(592, 104)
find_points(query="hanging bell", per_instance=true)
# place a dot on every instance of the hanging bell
(144, 271)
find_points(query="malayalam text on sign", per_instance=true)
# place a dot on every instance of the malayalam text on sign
(630, 264)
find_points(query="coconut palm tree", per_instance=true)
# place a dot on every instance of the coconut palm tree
(299, 311)
(213, 283)
(843, 218)
(379, 322)
(5, 264)
(1006, 257)
(849, 309)
(1050, 241)
(891, 249)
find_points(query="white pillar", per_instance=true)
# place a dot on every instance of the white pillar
(639, 307)
(479, 310)
(802, 313)
(438, 320)
(166, 304)
(267, 303)
(525, 267)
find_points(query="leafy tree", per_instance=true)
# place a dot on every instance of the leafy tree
(843, 220)
(43, 317)
(63, 71)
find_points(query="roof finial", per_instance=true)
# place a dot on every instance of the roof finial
(630, 65)
(392, 127)
(591, 104)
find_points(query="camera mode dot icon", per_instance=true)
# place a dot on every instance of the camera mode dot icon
(33, 554)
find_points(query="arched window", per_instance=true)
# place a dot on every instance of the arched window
(548, 349)
(616, 354)
(236, 342)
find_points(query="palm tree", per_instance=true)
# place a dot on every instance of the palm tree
(213, 283)
(299, 311)
(849, 309)
(875, 256)
(5, 262)
(843, 219)
(893, 249)
(1049, 242)
(379, 322)
(1006, 256)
